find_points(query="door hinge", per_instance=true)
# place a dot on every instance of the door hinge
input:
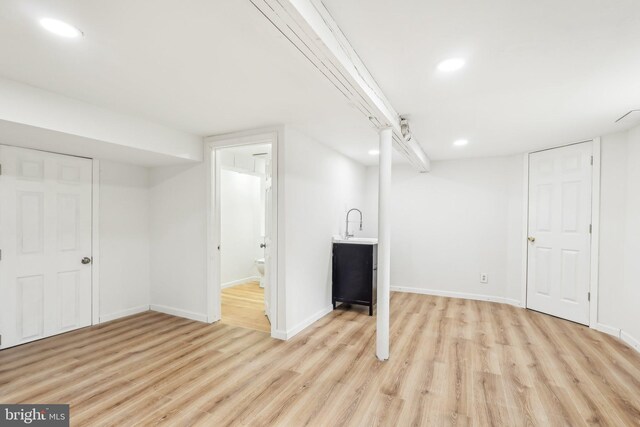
(590, 228)
(588, 296)
(591, 160)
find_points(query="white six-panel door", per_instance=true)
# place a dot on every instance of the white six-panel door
(559, 232)
(45, 233)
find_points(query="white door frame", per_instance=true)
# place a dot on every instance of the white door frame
(595, 229)
(95, 230)
(274, 136)
(95, 242)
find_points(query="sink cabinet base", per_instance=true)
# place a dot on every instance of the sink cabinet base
(354, 275)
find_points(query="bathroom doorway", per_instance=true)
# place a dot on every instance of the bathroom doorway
(242, 220)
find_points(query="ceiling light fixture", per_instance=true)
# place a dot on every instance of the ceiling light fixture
(60, 28)
(451, 64)
(460, 142)
(374, 152)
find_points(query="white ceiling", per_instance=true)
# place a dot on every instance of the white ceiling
(205, 67)
(539, 73)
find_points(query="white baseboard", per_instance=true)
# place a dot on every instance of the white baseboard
(607, 329)
(302, 325)
(240, 281)
(279, 335)
(123, 313)
(463, 295)
(178, 312)
(633, 342)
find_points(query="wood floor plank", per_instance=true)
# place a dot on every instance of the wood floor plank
(243, 306)
(453, 362)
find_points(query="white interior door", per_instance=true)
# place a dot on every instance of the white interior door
(267, 240)
(45, 234)
(558, 277)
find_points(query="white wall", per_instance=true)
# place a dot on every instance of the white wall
(448, 226)
(241, 212)
(178, 240)
(613, 208)
(631, 294)
(320, 186)
(124, 240)
(463, 218)
(619, 292)
(466, 217)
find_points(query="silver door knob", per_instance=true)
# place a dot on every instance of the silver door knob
(86, 260)
(531, 239)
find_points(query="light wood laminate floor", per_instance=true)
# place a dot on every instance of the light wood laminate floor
(243, 305)
(453, 362)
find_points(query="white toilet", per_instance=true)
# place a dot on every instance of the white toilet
(260, 267)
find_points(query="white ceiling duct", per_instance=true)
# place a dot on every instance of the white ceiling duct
(629, 116)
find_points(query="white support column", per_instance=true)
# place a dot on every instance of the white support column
(384, 245)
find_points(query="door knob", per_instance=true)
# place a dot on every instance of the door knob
(86, 260)
(263, 245)
(531, 239)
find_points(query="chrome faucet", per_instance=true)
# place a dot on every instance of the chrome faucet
(347, 235)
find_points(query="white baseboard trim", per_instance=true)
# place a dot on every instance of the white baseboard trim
(633, 342)
(123, 313)
(610, 330)
(451, 294)
(178, 312)
(302, 325)
(240, 281)
(279, 335)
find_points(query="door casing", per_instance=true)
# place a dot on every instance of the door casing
(595, 231)
(273, 136)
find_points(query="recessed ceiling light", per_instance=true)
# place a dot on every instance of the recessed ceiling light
(460, 142)
(60, 28)
(451, 64)
(374, 152)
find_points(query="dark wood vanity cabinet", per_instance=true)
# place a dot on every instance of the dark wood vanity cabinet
(354, 275)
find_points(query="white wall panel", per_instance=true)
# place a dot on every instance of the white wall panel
(30, 222)
(463, 218)
(125, 233)
(69, 293)
(320, 186)
(30, 299)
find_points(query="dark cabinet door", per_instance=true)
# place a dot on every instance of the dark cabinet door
(353, 273)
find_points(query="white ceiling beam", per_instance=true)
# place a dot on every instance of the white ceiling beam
(310, 27)
(29, 108)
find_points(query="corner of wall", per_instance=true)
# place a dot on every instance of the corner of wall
(290, 333)
(632, 341)
(124, 313)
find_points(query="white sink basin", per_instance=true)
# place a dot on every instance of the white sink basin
(356, 240)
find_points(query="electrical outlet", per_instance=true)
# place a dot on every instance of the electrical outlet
(484, 278)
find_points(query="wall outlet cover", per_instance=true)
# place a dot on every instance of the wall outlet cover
(484, 278)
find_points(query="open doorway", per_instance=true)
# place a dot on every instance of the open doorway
(243, 231)
(244, 183)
